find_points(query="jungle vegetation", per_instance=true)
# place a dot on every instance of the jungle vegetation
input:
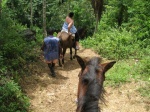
(116, 29)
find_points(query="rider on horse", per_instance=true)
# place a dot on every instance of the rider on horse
(69, 27)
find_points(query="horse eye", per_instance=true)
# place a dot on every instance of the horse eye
(85, 81)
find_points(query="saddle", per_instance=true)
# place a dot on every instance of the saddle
(72, 35)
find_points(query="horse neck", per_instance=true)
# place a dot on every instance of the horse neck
(91, 107)
(92, 98)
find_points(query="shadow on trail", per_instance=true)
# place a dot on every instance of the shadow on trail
(40, 78)
(72, 64)
(69, 64)
(40, 74)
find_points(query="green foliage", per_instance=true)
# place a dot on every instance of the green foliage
(145, 91)
(139, 18)
(3, 68)
(133, 15)
(142, 69)
(128, 41)
(82, 18)
(55, 13)
(120, 41)
(11, 97)
(120, 73)
(13, 48)
(114, 44)
(15, 53)
(133, 58)
(125, 70)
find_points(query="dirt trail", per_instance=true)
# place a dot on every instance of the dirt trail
(58, 94)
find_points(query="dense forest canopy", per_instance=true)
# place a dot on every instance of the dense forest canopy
(122, 26)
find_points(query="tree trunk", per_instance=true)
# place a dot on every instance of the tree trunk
(98, 9)
(122, 16)
(68, 10)
(0, 7)
(31, 16)
(97, 22)
(44, 18)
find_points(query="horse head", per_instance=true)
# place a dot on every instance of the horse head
(90, 86)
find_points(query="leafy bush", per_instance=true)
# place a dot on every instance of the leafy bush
(132, 15)
(11, 97)
(15, 53)
(139, 19)
(114, 44)
(13, 48)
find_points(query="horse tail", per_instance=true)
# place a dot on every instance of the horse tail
(69, 37)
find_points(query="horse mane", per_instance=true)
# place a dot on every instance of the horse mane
(94, 61)
(95, 91)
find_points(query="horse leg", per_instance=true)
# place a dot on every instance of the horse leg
(60, 59)
(71, 53)
(75, 53)
(60, 62)
(64, 51)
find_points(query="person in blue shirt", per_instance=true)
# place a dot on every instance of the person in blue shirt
(52, 50)
(69, 27)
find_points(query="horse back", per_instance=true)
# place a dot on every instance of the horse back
(63, 35)
(58, 35)
(66, 39)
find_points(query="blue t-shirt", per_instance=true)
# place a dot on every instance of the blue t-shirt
(51, 49)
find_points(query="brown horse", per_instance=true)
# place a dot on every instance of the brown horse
(90, 86)
(66, 41)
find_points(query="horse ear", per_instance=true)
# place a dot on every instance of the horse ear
(81, 62)
(108, 65)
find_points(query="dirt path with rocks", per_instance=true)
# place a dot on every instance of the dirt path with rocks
(58, 94)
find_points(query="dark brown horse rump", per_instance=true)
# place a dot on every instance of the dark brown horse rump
(66, 41)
